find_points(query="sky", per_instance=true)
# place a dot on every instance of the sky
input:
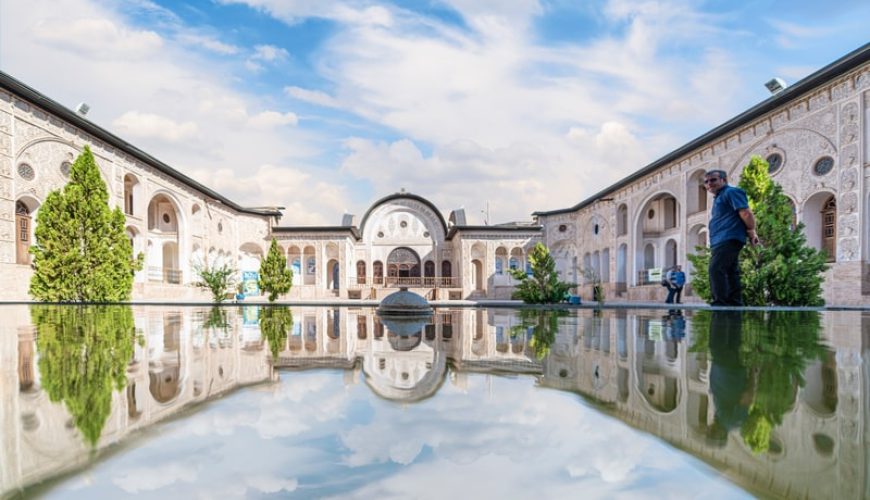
(311, 436)
(498, 107)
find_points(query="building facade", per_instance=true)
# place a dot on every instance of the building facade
(816, 138)
(179, 224)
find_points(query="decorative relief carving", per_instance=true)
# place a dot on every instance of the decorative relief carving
(849, 202)
(797, 111)
(849, 156)
(849, 114)
(848, 179)
(840, 91)
(5, 123)
(847, 249)
(818, 101)
(850, 134)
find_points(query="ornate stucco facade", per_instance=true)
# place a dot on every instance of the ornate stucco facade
(816, 136)
(178, 223)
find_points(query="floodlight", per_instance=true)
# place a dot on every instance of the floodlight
(775, 85)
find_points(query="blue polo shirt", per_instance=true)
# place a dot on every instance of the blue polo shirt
(725, 222)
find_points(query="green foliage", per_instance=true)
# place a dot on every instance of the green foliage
(543, 324)
(275, 325)
(82, 253)
(782, 270)
(275, 277)
(775, 349)
(594, 277)
(83, 356)
(216, 320)
(217, 279)
(543, 285)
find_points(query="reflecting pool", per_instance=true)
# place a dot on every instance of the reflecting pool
(258, 401)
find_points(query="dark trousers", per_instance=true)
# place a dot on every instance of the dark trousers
(725, 274)
(674, 292)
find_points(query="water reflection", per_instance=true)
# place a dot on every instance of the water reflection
(83, 355)
(756, 395)
(758, 365)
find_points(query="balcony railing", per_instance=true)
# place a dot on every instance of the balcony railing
(164, 275)
(411, 282)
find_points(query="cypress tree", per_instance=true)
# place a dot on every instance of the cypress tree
(543, 285)
(275, 277)
(82, 253)
(783, 270)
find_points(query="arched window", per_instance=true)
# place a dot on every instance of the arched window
(622, 220)
(403, 263)
(429, 269)
(22, 233)
(378, 272)
(501, 260)
(829, 228)
(446, 269)
(361, 272)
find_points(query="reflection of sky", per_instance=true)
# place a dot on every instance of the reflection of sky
(312, 436)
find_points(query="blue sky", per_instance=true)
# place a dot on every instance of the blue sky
(323, 107)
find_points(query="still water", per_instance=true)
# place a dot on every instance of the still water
(159, 402)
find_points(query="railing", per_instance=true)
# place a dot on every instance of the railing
(411, 282)
(164, 275)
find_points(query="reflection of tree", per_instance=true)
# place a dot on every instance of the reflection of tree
(83, 356)
(275, 324)
(216, 319)
(774, 348)
(543, 325)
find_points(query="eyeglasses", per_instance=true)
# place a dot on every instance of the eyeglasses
(710, 181)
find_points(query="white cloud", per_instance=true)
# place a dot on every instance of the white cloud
(96, 37)
(148, 125)
(269, 53)
(208, 43)
(141, 479)
(270, 119)
(271, 484)
(313, 96)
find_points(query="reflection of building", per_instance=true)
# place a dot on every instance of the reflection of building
(180, 364)
(652, 382)
(407, 368)
(816, 139)
(630, 364)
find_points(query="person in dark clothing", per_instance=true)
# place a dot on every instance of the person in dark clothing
(676, 279)
(730, 385)
(731, 225)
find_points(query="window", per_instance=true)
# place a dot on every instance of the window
(823, 166)
(562, 228)
(595, 229)
(26, 172)
(65, 168)
(361, 272)
(774, 163)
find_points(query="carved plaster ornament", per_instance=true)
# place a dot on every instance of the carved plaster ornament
(849, 202)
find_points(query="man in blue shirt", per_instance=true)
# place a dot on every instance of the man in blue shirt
(731, 224)
(676, 279)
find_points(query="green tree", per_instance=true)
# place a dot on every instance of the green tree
(275, 277)
(218, 279)
(82, 253)
(783, 269)
(275, 324)
(83, 356)
(542, 286)
(542, 325)
(774, 349)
